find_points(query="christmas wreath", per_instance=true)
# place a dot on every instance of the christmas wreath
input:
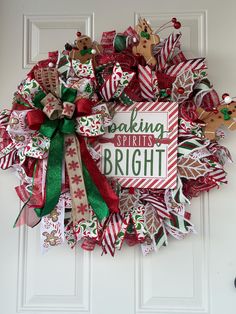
(90, 178)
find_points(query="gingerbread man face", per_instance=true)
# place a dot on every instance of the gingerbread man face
(54, 215)
(85, 49)
(223, 116)
(84, 43)
(146, 42)
(143, 26)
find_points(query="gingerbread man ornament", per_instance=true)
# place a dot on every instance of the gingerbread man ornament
(85, 49)
(146, 42)
(223, 116)
(51, 238)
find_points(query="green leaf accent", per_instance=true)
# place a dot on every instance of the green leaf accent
(124, 98)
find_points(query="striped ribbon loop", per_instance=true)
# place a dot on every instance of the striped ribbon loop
(110, 86)
(191, 64)
(218, 175)
(111, 232)
(145, 82)
(179, 57)
(8, 159)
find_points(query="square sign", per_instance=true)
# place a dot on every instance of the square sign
(139, 148)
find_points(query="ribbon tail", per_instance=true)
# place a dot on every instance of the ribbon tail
(54, 175)
(27, 216)
(82, 188)
(80, 208)
(31, 199)
(94, 196)
(99, 179)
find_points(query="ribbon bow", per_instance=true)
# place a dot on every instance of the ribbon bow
(86, 51)
(54, 128)
(145, 35)
(226, 114)
(85, 180)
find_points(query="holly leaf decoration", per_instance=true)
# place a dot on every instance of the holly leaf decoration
(182, 86)
(191, 168)
(151, 219)
(128, 201)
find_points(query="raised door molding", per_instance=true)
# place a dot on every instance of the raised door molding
(58, 281)
(43, 33)
(188, 264)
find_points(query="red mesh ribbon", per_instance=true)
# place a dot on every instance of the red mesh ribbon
(99, 179)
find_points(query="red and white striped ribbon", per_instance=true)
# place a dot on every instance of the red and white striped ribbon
(111, 232)
(145, 82)
(7, 161)
(218, 175)
(179, 57)
(110, 86)
(191, 64)
(8, 156)
(167, 50)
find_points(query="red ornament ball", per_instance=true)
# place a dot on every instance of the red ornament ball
(177, 25)
(174, 20)
(78, 34)
(180, 90)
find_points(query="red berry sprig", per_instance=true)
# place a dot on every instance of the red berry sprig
(176, 23)
(172, 23)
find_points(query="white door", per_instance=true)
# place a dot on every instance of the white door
(192, 276)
